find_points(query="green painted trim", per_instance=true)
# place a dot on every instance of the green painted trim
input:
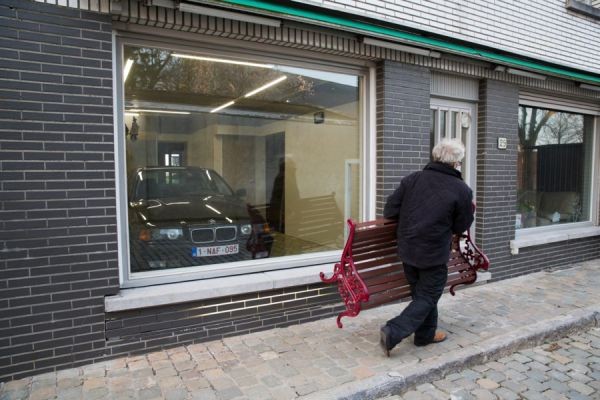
(381, 31)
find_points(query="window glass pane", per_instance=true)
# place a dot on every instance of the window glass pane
(454, 123)
(230, 160)
(443, 117)
(433, 131)
(554, 167)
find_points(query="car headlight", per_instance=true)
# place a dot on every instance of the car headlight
(246, 229)
(171, 234)
(161, 234)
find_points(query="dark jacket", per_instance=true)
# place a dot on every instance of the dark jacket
(430, 206)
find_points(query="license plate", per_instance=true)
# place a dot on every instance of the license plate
(211, 251)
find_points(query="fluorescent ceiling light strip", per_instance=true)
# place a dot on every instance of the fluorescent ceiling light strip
(590, 87)
(401, 47)
(137, 110)
(127, 68)
(527, 74)
(222, 60)
(214, 12)
(268, 85)
(223, 106)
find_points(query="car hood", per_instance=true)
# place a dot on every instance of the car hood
(194, 209)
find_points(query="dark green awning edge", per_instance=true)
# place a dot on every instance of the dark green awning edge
(383, 32)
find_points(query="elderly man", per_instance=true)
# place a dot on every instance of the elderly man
(429, 205)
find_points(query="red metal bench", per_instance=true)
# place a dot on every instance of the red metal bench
(370, 272)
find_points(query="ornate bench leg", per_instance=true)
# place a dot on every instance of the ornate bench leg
(347, 313)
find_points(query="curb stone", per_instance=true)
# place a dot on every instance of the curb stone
(404, 378)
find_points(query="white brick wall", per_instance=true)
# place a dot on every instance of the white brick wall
(542, 29)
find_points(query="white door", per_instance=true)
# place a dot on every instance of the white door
(456, 119)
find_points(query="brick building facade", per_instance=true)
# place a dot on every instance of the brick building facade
(73, 126)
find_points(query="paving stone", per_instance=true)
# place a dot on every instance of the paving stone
(461, 394)
(533, 395)
(416, 395)
(581, 388)
(488, 384)
(202, 394)
(150, 393)
(175, 394)
(536, 375)
(483, 394)
(553, 395)
(505, 394)
(95, 393)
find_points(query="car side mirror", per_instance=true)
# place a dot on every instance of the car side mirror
(241, 193)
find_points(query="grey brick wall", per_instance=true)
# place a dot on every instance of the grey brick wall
(497, 192)
(153, 328)
(403, 124)
(57, 198)
(496, 169)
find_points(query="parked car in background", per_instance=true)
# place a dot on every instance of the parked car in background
(185, 216)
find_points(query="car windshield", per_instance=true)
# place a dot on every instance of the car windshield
(161, 183)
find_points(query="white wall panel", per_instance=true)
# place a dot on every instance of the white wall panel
(542, 29)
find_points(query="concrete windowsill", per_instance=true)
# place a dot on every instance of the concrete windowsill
(182, 292)
(538, 238)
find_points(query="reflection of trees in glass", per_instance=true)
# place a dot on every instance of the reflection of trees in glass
(156, 69)
(531, 122)
(539, 127)
(149, 67)
(561, 129)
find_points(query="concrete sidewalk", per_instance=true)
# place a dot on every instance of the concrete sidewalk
(319, 361)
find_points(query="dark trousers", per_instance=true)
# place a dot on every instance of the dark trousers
(420, 316)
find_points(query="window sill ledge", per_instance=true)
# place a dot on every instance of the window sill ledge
(539, 238)
(182, 292)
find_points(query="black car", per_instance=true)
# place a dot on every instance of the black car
(185, 216)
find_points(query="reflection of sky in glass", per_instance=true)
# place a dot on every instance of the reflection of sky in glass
(341, 79)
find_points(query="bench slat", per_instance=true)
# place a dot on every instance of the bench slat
(380, 231)
(388, 297)
(381, 261)
(377, 253)
(379, 279)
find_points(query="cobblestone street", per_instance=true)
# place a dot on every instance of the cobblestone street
(565, 369)
(318, 361)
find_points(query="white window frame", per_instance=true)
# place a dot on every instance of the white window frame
(222, 48)
(535, 236)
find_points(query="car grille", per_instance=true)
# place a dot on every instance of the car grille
(226, 234)
(218, 234)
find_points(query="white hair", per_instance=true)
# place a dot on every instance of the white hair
(448, 151)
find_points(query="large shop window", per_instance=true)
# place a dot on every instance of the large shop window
(230, 160)
(554, 167)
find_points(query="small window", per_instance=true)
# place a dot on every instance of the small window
(554, 167)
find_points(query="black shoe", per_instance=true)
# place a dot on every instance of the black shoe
(385, 340)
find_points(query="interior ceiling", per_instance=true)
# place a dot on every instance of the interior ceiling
(208, 102)
(324, 95)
